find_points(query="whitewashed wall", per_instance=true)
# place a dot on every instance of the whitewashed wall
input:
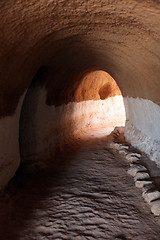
(142, 128)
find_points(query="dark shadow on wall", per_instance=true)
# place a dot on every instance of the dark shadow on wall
(35, 149)
(105, 91)
(27, 124)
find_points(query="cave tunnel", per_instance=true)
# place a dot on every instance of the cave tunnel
(93, 100)
(70, 69)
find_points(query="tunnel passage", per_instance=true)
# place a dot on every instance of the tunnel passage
(93, 100)
(70, 36)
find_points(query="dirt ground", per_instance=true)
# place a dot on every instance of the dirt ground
(87, 196)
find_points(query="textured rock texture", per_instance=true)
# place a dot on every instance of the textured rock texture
(145, 173)
(88, 196)
(95, 85)
(55, 42)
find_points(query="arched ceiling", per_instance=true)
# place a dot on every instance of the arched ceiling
(68, 37)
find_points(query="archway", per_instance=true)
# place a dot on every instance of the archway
(94, 100)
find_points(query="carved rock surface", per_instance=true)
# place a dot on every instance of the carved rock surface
(88, 196)
(47, 50)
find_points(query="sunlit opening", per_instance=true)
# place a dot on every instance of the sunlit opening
(99, 105)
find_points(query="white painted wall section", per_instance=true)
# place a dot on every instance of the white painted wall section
(142, 128)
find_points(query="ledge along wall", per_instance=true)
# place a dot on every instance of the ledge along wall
(56, 42)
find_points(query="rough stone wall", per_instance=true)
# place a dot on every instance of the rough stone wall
(64, 38)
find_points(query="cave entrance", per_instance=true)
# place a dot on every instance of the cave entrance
(93, 101)
(99, 103)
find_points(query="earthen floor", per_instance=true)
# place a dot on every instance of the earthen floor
(89, 196)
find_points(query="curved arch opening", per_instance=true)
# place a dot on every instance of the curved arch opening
(94, 101)
(101, 101)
